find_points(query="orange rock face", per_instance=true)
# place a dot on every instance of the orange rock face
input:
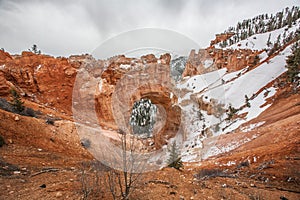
(40, 78)
(109, 88)
(236, 59)
(116, 83)
(221, 37)
(125, 81)
(199, 63)
(210, 59)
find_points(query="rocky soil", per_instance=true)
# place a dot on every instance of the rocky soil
(46, 161)
(43, 157)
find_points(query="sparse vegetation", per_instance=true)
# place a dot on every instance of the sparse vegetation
(220, 163)
(231, 112)
(293, 65)
(256, 60)
(2, 142)
(243, 164)
(174, 160)
(247, 101)
(5, 105)
(92, 180)
(122, 181)
(142, 117)
(34, 49)
(265, 23)
(16, 101)
(50, 121)
(8, 106)
(86, 143)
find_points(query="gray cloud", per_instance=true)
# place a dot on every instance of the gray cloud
(62, 27)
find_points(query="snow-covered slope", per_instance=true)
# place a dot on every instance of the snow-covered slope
(264, 31)
(244, 91)
(219, 102)
(260, 41)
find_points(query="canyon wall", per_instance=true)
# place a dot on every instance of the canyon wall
(39, 78)
(53, 82)
(211, 59)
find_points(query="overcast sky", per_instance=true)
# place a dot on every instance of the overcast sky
(65, 27)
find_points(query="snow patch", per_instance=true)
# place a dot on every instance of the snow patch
(38, 68)
(219, 88)
(171, 95)
(100, 85)
(213, 151)
(263, 56)
(251, 127)
(230, 76)
(208, 63)
(123, 66)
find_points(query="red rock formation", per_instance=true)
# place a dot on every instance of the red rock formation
(232, 59)
(4, 57)
(221, 37)
(40, 78)
(50, 82)
(199, 63)
(125, 81)
(235, 59)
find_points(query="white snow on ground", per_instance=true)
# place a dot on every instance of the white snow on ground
(259, 41)
(100, 85)
(122, 66)
(232, 75)
(229, 163)
(38, 67)
(2, 66)
(199, 82)
(263, 56)
(254, 110)
(256, 104)
(227, 89)
(189, 157)
(230, 146)
(207, 63)
(251, 82)
(251, 127)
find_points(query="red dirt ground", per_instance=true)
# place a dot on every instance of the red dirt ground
(37, 153)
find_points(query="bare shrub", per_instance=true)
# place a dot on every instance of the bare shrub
(122, 182)
(92, 180)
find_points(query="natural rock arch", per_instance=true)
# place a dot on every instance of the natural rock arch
(114, 102)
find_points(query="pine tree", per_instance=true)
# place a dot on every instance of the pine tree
(16, 101)
(34, 49)
(289, 19)
(174, 160)
(280, 17)
(247, 101)
(284, 35)
(231, 112)
(142, 117)
(269, 40)
(278, 39)
(293, 64)
(225, 43)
